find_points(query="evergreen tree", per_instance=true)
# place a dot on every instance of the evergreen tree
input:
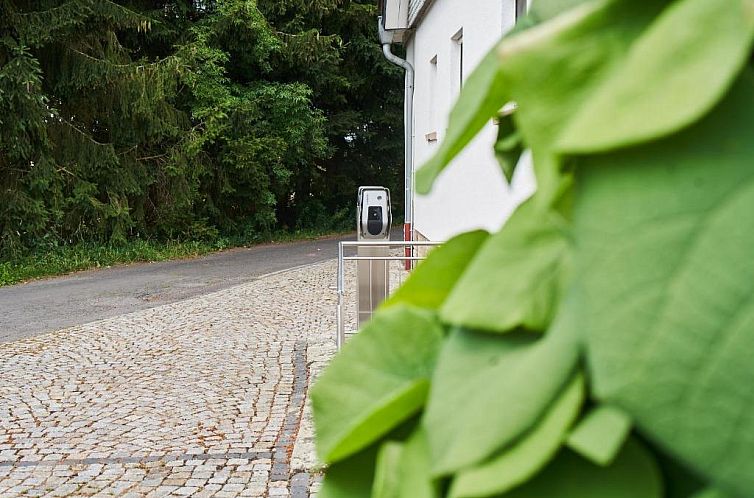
(333, 46)
(142, 118)
(88, 119)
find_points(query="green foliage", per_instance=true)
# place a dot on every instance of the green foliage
(600, 434)
(394, 366)
(710, 493)
(516, 464)
(352, 478)
(56, 261)
(530, 256)
(465, 424)
(634, 474)
(692, 196)
(715, 33)
(599, 344)
(127, 120)
(332, 46)
(509, 147)
(402, 469)
(432, 281)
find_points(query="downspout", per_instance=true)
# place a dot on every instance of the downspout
(408, 118)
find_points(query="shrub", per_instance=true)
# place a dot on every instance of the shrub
(600, 344)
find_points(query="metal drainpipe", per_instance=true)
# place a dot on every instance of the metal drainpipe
(408, 117)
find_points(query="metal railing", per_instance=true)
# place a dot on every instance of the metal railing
(343, 258)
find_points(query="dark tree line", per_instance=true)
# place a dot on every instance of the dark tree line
(189, 119)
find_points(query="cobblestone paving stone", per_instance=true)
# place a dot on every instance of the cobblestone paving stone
(198, 398)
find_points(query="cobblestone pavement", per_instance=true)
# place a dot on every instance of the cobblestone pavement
(205, 397)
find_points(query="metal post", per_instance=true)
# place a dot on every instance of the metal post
(341, 292)
(373, 278)
(371, 260)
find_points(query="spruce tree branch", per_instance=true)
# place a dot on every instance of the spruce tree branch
(51, 11)
(91, 6)
(306, 34)
(15, 170)
(64, 170)
(131, 12)
(129, 150)
(151, 158)
(85, 134)
(121, 66)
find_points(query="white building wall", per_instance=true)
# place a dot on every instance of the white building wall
(472, 192)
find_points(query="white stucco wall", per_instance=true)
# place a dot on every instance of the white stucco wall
(472, 192)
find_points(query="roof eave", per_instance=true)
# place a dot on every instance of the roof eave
(420, 14)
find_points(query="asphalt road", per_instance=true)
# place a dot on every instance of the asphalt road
(46, 305)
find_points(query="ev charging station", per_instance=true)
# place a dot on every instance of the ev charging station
(374, 221)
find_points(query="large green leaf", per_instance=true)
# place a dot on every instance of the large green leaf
(403, 469)
(429, 284)
(515, 279)
(509, 146)
(416, 472)
(380, 379)
(527, 456)
(711, 493)
(553, 68)
(370, 470)
(666, 284)
(543, 10)
(488, 391)
(634, 474)
(351, 478)
(679, 481)
(387, 471)
(601, 434)
(674, 74)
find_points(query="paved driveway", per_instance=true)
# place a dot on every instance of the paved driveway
(202, 397)
(48, 305)
(193, 381)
